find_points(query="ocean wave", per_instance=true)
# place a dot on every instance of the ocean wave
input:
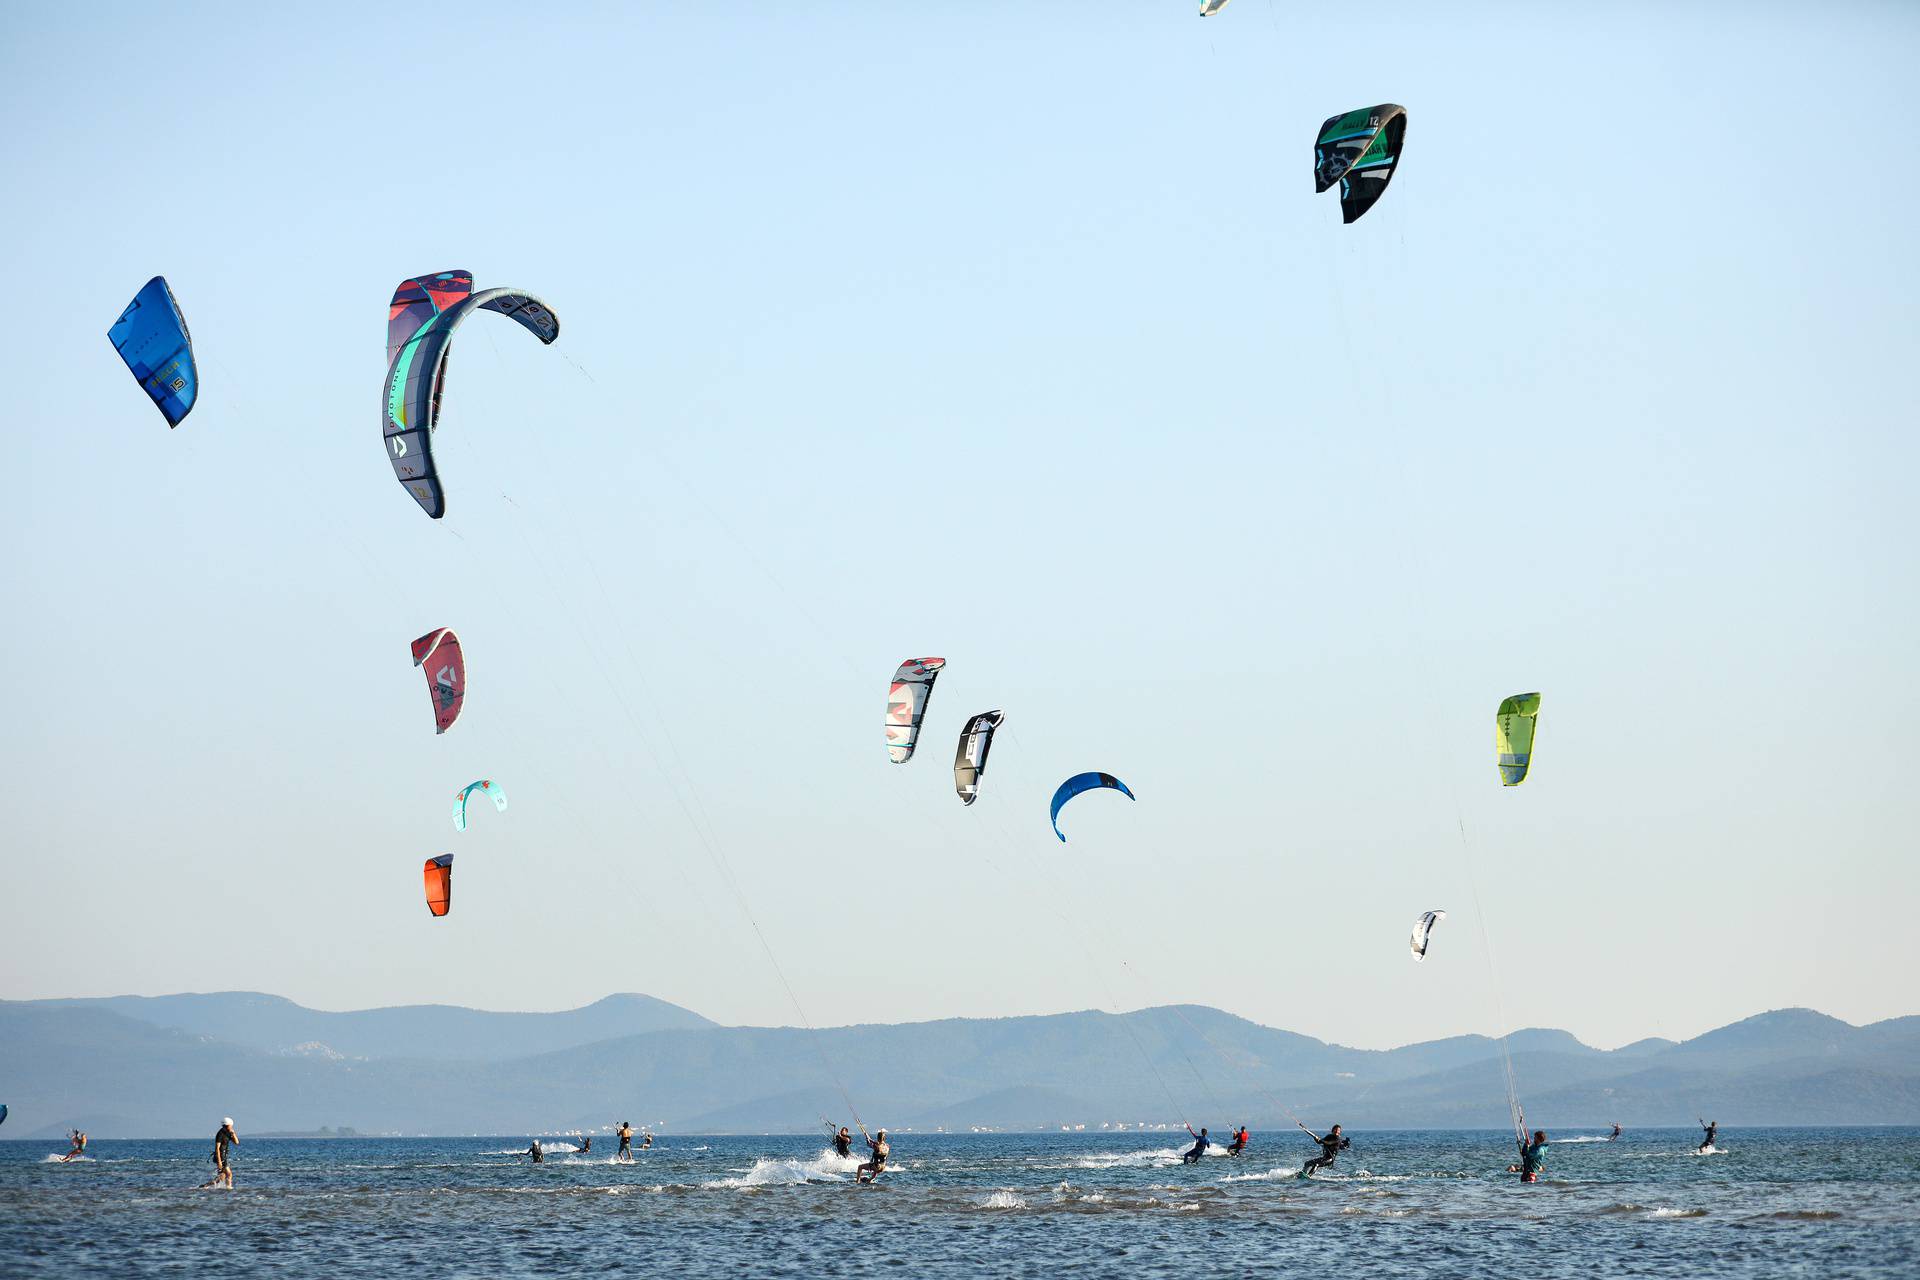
(1003, 1200)
(1137, 1159)
(1678, 1213)
(825, 1167)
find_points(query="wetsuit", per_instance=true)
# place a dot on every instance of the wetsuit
(1200, 1145)
(1238, 1144)
(843, 1144)
(1713, 1131)
(222, 1141)
(1533, 1161)
(1330, 1146)
(1615, 1134)
(586, 1145)
(534, 1151)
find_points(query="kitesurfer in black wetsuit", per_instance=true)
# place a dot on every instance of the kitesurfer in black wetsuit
(1533, 1158)
(1200, 1144)
(1615, 1135)
(223, 1142)
(1330, 1146)
(1713, 1131)
(872, 1169)
(534, 1151)
(843, 1143)
(586, 1145)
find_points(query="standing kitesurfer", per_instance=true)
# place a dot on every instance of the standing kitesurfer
(1200, 1144)
(625, 1135)
(534, 1150)
(646, 1139)
(224, 1140)
(1330, 1146)
(843, 1144)
(1239, 1142)
(1713, 1131)
(872, 1169)
(1615, 1135)
(586, 1144)
(77, 1142)
(1533, 1158)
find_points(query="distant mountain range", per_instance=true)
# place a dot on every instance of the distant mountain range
(130, 1066)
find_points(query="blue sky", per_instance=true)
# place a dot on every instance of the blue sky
(1012, 333)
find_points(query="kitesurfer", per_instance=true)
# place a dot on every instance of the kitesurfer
(224, 1140)
(843, 1144)
(1533, 1158)
(625, 1135)
(1713, 1131)
(78, 1140)
(1200, 1144)
(646, 1139)
(586, 1144)
(1330, 1146)
(872, 1169)
(534, 1151)
(1615, 1135)
(1239, 1142)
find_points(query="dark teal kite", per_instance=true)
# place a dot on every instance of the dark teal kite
(1359, 150)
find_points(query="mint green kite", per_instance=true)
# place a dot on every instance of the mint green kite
(486, 786)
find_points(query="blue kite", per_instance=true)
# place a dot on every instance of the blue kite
(151, 336)
(1075, 785)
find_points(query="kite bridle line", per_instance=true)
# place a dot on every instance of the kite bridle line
(1424, 572)
(709, 840)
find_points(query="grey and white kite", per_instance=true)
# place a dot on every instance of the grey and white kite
(1422, 931)
(1210, 7)
(970, 757)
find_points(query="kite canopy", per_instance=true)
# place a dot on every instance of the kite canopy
(151, 336)
(1513, 729)
(1422, 928)
(970, 758)
(3, 1114)
(1210, 7)
(907, 704)
(438, 874)
(1359, 150)
(420, 324)
(1074, 786)
(460, 801)
(438, 652)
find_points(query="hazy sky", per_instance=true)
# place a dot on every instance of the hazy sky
(1012, 333)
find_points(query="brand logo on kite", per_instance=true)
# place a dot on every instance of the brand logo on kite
(444, 677)
(399, 447)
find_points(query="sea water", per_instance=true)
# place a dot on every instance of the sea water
(1771, 1202)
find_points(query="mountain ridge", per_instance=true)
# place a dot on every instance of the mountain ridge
(161, 1066)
